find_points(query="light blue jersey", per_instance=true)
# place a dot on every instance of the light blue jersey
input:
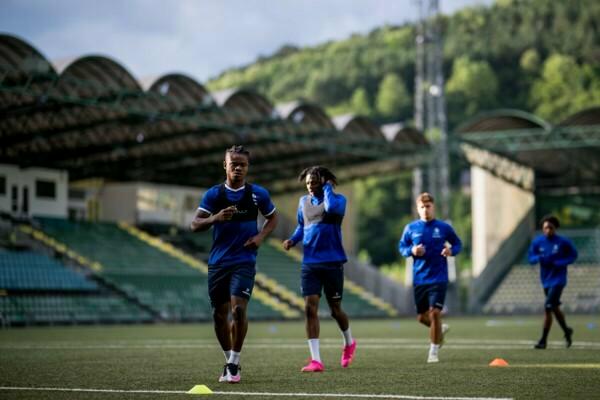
(320, 227)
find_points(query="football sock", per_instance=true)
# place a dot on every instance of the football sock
(433, 348)
(234, 358)
(226, 353)
(347, 337)
(313, 344)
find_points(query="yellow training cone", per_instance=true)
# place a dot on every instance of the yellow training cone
(200, 389)
(499, 362)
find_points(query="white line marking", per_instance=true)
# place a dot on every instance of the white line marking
(456, 345)
(345, 395)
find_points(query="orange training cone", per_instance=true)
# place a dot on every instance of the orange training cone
(499, 362)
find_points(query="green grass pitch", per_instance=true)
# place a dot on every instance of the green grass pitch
(390, 360)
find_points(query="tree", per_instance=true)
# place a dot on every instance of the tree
(359, 103)
(472, 87)
(565, 87)
(392, 96)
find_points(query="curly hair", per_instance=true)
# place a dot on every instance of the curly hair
(552, 219)
(321, 173)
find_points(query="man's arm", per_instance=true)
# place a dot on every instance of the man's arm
(532, 255)
(334, 203)
(203, 220)
(405, 244)
(270, 224)
(298, 232)
(455, 241)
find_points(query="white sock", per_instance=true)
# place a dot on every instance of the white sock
(313, 344)
(347, 337)
(234, 358)
(434, 348)
(226, 353)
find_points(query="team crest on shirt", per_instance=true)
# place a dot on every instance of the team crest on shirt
(254, 199)
(436, 233)
(555, 249)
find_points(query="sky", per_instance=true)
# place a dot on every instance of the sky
(200, 38)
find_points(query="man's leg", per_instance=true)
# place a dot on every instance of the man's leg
(311, 315)
(542, 343)
(223, 333)
(340, 316)
(435, 327)
(221, 326)
(239, 322)
(423, 318)
(560, 318)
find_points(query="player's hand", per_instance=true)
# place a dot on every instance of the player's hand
(287, 244)
(446, 252)
(226, 214)
(418, 250)
(253, 243)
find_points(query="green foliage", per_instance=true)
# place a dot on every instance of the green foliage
(392, 97)
(492, 57)
(385, 207)
(472, 87)
(360, 102)
(530, 61)
(565, 87)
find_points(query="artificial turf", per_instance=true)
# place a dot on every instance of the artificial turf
(390, 360)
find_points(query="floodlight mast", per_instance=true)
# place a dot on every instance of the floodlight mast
(430, 103)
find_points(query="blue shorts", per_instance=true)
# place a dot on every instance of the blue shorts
(429, 296)
(233, 280)
(316, 277)
(553, 294)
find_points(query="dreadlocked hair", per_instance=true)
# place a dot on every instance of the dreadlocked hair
(321, 173)
(238, 149)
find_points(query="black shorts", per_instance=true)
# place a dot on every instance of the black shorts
(429, 296)
(553, 294)
(234, 280)
(316, 277)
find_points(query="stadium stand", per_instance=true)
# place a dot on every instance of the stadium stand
(278, 272)
(521, 292)
(168, 283)
(26, 270)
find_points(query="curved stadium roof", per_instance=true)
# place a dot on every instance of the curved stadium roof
(91, 117)
(565, 155)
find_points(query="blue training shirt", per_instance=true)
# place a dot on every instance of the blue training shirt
(320, 227)
(229, 236)
(554, 255)
(432, 267)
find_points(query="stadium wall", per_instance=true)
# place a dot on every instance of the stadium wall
(498, 208)
(31, 192)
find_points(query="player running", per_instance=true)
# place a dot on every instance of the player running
(232, 208)
(554, 253)
(425, 240)
(320, 215)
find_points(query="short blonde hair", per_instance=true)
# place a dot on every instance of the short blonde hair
(424, 198)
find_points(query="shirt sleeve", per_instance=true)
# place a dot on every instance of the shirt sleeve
(335, 203)
(454, 240)
(532, 254)
(298, 234)
(405, 244)
(263, 201)
(208, 202)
